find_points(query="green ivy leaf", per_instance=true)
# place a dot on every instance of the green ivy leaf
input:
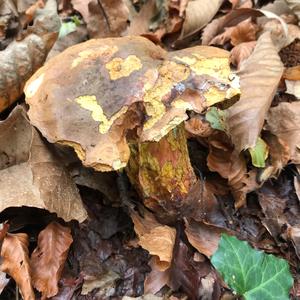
(259, 153)
(252, 273)
(216, 118)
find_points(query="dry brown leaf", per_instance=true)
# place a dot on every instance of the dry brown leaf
(15, 262)
(22, 58)
(284, 122)
(222, 38)
(3, 281)
(110, 86)
(36, 177)
(156, 279)
(292, 73)
(259, 78)
(233, 18)
(294, 5)
(245, 31)
(103, 18)
(198, 13)
(48, 258)
(241, 52)
(158, 239)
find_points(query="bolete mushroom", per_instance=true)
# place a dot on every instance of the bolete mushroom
(107, 96)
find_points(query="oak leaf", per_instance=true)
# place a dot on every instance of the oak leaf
(15, 262)
(48, 258)
(259, 78)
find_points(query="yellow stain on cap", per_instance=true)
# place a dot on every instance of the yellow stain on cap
(119, 67)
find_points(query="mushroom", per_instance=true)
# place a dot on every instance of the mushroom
(108, 98)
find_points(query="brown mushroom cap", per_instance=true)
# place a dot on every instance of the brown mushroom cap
(92, 94)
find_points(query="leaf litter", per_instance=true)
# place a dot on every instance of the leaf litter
(134, 161)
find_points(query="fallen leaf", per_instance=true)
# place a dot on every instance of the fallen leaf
(158, 239)
(259, 153)
(48, 258)
(3, 281)
(244, 32)
(22, 58)
(259, 78)
(293, 88)
(205, 238)
(294, 5)
(33, 172)
(15, 262)
(241, 52)
(103, 18)
(293, 233)
(283, 121)
(292, 73)
(198, 13)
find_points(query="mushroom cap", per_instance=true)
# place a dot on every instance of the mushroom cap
(92, 95)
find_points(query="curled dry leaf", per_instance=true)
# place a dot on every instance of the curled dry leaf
(158, 239)
(223, 158)
(22, 58)
(48, 258)
(245, 31)
(292, 73)
(15, 262)
(241, 52)
(259, 75)
(198, 13)
(103, 18)
(111, 84)
(294, 5)
(284, 122)
(33, 173)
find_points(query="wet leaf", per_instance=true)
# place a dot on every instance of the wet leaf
(259, 153)
(197, 14)
(34, 174)
(15, 262)
(48, 258)
(283, 121)
(22, 58)
(251, 273)
(259, 75)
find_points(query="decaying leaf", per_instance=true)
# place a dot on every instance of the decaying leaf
(241, 52)
(244, 32)
(259, 153)
(197, 14)
(104, 18)
(284, 122)
(48, 259)
(111, 84)
(15, 262)
(33, 173)
(259, 75)
(22, 58)
(158, 239)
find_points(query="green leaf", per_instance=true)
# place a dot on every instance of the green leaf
(259, 153)
(66, 28)
(252, 273)
(216, 118)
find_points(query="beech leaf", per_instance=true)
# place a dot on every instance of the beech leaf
(48, 258)
(259, 78)
(34, 174)
(252, 273)
(15, 262)
(259, 153)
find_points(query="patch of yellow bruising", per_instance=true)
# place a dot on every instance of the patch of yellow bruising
(90, 103)
(170, 73)
(33, 86)
(77, 148)
(215, 66)
(119, 67)
(104, 52)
